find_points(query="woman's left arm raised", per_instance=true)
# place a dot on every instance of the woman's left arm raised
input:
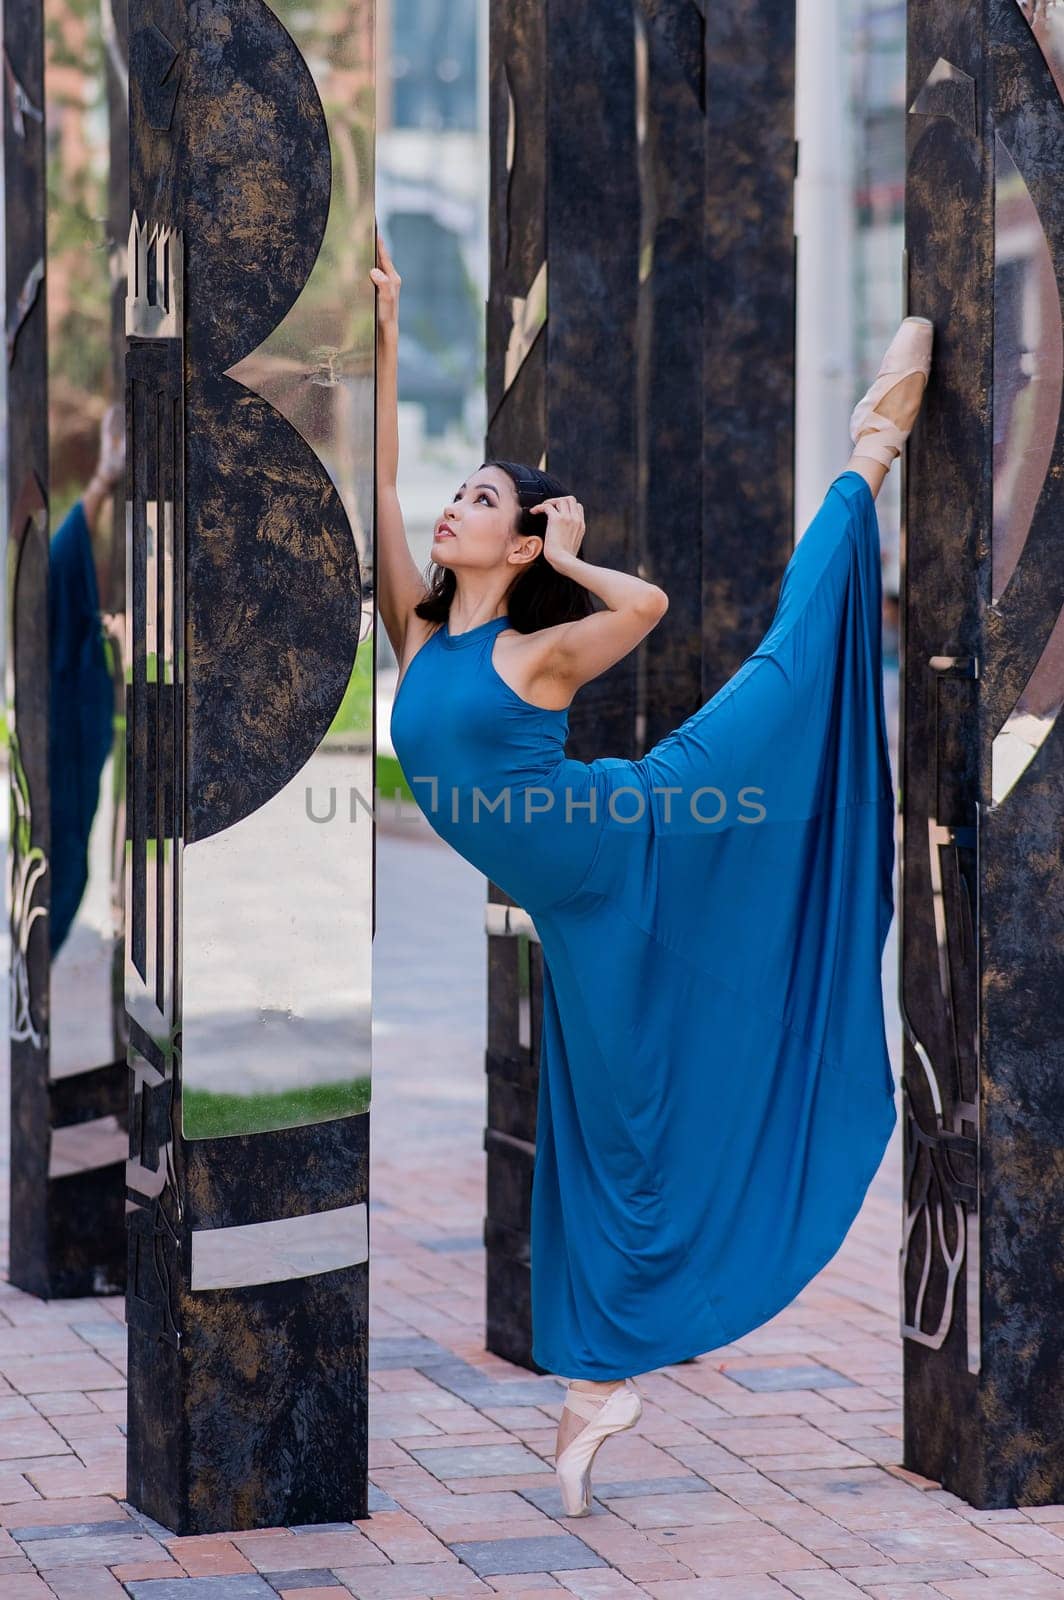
(572, 653)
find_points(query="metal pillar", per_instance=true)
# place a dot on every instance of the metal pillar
(248, 1250)
(640, 345)
(982, 916)
(68, 1076)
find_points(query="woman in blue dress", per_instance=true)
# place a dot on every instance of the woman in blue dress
(715, 1090)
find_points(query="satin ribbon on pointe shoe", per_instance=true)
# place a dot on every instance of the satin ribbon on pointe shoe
(908, 352)
(620, 1409)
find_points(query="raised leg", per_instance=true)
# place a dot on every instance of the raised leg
(901, 404)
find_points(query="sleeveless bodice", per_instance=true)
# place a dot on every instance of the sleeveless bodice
(489, 769)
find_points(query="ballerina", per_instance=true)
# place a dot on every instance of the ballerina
(715, 1089)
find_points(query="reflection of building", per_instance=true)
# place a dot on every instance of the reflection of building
(432, 184)
(432, 187)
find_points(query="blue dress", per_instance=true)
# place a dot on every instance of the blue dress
(81, 715)
(715, 1089)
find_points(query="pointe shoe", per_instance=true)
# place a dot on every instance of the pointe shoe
(572, 1467)
(874, 434)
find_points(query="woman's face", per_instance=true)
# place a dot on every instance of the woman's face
(477, 528)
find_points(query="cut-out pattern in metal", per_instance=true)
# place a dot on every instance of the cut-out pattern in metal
(940, 1111)
(154, 762)
(252, 558)
(1028, 380)
(982, 930)
(529, 316)
(947, 92)
(1046, 19)
(27, 864)
(19, 102)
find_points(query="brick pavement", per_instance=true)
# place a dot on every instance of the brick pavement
(767, 1470)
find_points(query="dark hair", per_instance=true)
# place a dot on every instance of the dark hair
(540, 596)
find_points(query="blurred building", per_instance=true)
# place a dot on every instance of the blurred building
(877, 78)
(432, 189)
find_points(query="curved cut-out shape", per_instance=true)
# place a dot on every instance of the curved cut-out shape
(259, 178)
(682, 26)
(1028, 365)
(948, 92)
(1028, 380)
(1031, 720)
(27, 863)
(926, 1242)
(275, 599)
(153, 58)
(529, 316)
(1046, 20)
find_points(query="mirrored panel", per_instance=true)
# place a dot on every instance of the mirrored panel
(1027, 397)
(87, 198)
(1028, 364)
(277, 908)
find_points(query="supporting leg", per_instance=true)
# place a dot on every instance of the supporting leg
(570, 1424)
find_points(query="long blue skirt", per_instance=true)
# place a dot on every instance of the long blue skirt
(716, 1092)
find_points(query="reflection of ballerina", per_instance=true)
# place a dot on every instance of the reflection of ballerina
(82, 696)
(715, 1089)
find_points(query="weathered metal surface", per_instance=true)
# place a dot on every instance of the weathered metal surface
(66, 1230)
(247, 1402)
(982, 926)
(653, 185)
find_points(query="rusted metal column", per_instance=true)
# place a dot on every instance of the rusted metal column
(640, 346)
(249, 380)
(982, 915)
(68, 1076)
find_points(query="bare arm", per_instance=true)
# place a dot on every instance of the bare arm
(571, 653)
(400, 584)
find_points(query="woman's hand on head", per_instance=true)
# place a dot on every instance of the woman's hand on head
(387, 282)
(564, 528)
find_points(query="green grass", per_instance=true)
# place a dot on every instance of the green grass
(389, 778)
(210, 1116)
(355, 712)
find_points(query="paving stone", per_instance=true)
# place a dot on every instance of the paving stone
(335, 1591)
(284, 1552)
(764, 1380)
(630, 1488)
(377, 1500)
(405, 1351)
(73, 1530)
(106, 1550)
(149, 1524)
(480, 1461)
(470, 1384)
(237, 1586)
(307, 1578)
(409, 1582)
(322, 1527)
(472, 1241)
(554, 1553)
(601, 1583)
(819, 1584)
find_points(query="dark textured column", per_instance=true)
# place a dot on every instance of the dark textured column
(982, 918)
(248, 1275)
(67, 1236)
(640, 345)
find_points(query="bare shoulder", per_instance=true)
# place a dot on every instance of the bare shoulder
(527, 663)
(548, 666)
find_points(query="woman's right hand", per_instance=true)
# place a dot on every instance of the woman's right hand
(387, 281)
